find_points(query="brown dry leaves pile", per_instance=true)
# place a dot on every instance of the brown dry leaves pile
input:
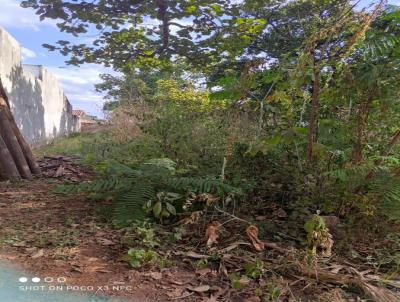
(212, 233)
(252, 234)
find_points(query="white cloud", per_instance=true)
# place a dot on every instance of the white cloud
(88, 96)
(78, 84)
(12, 15)
(72, 76)
(27, 53)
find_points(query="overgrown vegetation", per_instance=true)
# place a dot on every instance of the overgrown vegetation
(286, 120)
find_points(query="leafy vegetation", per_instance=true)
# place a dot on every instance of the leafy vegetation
(146, 188)
(284, 110)
(139, 257)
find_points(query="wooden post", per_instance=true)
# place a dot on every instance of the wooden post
(17, 160)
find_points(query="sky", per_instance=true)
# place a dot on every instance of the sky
(78, 82)
(31, 33)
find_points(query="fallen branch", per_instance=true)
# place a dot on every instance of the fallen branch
(379, 294)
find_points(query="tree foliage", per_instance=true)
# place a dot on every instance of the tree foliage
(297, 100)
(136, 32)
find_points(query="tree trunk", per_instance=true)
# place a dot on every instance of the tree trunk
(313, 121)
(26, 149)
(358, 147)
(17, 160)
(8, 169)
(13, 145)
(394, 141)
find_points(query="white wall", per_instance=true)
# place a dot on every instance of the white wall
(38, 103)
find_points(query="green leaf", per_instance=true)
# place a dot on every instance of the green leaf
(191, 9)
(165, 213)
(216, 8)
(173, 196)
(135, 263)
(300, 130)
(273, 141)
(157, 209)
(309, 226)
(261, 21)
(170, 208)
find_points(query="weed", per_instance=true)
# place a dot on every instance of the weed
(254, 270)
(201, 263)
(274, 292)
(238, 281)
(138, 258)
(162, 206)
(69, 222)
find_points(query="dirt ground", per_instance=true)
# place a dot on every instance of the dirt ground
(52, 235)
(57, 236)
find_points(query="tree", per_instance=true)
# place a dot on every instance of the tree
(135, 85)
(136, 32)
(306, 42)
(370, 80)
(121, 90)
(16, 160)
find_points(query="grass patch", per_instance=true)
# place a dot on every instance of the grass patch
(77, 144)
(95, 148)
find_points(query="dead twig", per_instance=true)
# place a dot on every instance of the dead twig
(380, 294)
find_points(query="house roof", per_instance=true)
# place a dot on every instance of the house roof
(78, 112)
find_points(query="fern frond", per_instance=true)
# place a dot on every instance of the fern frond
(349, 173)
(128, 205)
(132, 188)
(201, 185)
(99, 185)
(387, 188)
(380, 46)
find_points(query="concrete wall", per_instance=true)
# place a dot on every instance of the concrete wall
(38, 103)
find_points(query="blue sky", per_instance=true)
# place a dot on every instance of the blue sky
(78, 82)
(26, 28)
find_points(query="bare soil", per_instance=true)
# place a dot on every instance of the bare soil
(52, 235)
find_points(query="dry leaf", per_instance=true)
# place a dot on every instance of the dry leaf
(60, 171)
(212, 233)
(94, 268)
(252, 299)
(336, 268)
(196, 255)
(280, 213)
(244, 280)
(31, 249)
(19, 244)
(177, 292)
(104, 241)
(209, 198)
(199, 289)
(211, 299)
(39, 254)
(252, 233)
(195, 216)
(156, 275)
(261, 218)
(104, 271)
(326, 244)
(232, 246)
(203, 271)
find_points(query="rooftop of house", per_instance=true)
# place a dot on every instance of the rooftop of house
(78, 112)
